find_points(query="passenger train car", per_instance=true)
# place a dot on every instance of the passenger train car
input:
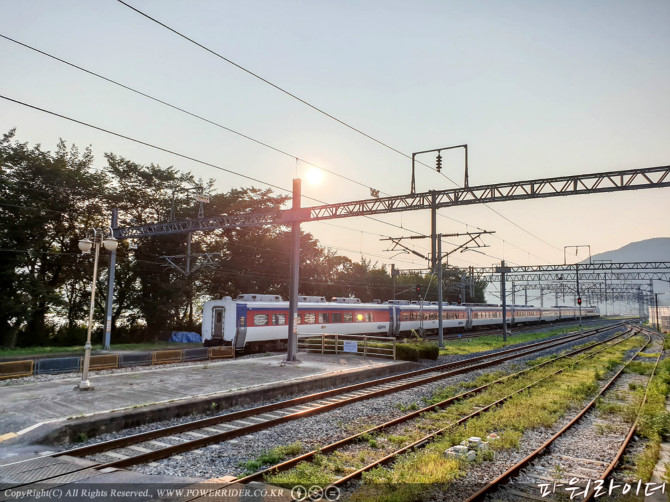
(256, 320)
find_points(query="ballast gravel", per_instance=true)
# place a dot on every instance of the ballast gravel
(226, 459)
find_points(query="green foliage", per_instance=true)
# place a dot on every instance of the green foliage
(271, 457)
(417, 350)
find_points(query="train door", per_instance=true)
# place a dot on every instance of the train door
(394, 321)
(218, 316)
(241, 335)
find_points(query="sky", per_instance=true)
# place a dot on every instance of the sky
(536, 89)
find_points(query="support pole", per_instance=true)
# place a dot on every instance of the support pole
(440, 329)
(292, 345)
(502, 270)
(579, 297)
(658, 319)
(433, 230)
(110, 285)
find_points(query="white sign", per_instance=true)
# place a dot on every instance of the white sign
(350, 346)
(202, 198)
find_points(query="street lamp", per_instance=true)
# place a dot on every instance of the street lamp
(110, 243)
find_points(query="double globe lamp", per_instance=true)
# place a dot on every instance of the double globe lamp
(85, 245)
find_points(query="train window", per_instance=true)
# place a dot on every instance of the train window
(360, 317)
(348, 317)
(261, 319)
(368, 317)
(278, 319)
(218, 316)
(323, 318)
(337, 317)
(310, 317)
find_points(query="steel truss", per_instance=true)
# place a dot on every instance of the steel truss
(633, 265)
(583, 276)
(613, 181)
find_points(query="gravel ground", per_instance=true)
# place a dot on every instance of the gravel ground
(224, 458)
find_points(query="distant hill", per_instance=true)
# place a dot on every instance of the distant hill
(657, 249)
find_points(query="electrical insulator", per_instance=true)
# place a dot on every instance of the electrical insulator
(438, 162)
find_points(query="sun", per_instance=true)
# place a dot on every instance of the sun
(314, 176)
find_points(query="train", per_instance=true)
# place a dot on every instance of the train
(260, 320)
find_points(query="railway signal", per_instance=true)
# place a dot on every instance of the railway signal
(579, 301)
(419, 290)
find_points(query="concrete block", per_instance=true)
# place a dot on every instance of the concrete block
(460, 452)
(474, 441)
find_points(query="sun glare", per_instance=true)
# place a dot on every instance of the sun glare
(314, 176)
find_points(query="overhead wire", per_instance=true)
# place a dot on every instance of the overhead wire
(172, 152)
(129, 88)
(310, 105)
(183, 110)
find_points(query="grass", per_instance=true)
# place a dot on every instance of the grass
(654, 422)
(77, 349)
(271, 457)
(416, 473)
(490, 342)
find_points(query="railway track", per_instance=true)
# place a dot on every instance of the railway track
(581, 475)
(512, 330)
(150, 446)
(338, 445)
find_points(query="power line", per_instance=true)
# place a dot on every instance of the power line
(310, 105)
(264, 80)
(127, 87)
(195, 115)
(177, 154)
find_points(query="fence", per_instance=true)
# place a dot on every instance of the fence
(664, 316)
(373, 346)
(54, 365)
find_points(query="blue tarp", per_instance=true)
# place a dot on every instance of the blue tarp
(185, 337)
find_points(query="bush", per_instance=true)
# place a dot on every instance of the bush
(416, 351)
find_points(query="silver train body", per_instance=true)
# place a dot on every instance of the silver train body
(256, 320)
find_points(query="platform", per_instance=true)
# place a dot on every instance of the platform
(54, 412)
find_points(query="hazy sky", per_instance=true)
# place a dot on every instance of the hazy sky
(536, 89)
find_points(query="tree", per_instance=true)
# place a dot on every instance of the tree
(47, 200)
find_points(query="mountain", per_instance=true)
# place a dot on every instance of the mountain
(657, 249)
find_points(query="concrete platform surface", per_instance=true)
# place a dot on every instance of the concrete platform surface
(28, 407)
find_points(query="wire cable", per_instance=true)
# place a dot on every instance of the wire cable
(192, 114)
(310, 105)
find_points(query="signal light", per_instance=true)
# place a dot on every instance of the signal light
(579, 301)
(438, 162)
(419, 290)
(459, 299)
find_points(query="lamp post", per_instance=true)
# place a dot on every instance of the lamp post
(85, 245)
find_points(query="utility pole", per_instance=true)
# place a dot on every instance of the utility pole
(110, 284)
(292, 345)
(658, 319)
(579, 298)
(440, 331)
(502, 270)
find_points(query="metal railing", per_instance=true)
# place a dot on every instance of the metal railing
(362, 345)
(54, 365)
